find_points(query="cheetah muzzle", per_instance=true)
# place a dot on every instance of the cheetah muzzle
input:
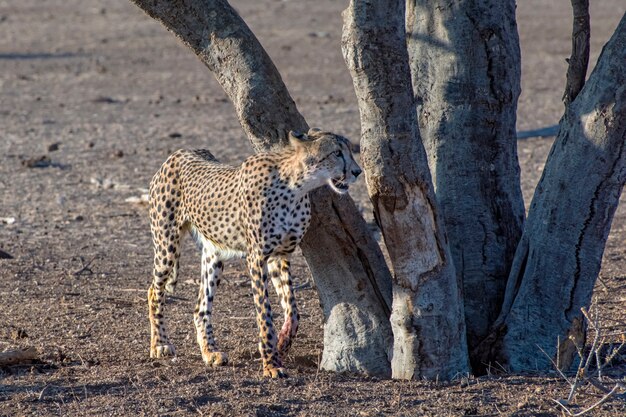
(259, 211)
(339, 185)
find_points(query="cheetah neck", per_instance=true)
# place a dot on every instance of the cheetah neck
(296, 174)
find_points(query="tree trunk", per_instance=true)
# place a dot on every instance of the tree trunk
(339, 250)
(349, 270)
(427, 313)
(559, 256)
(465, 64)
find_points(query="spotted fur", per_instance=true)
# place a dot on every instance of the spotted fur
(258, 211)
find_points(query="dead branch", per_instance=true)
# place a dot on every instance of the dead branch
(85, 268)
(556, 365)
(579, 59)
(583, 375)
(19, 356)
(592, 407)
(582, 372)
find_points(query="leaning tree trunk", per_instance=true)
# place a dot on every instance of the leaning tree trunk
(349, 270)
(465, 62)
(427, 313)
(558, 259)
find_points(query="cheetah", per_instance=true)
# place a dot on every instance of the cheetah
(259, 212)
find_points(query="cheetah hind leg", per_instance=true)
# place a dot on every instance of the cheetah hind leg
(211, 270)
(165, 263)
(160, 345)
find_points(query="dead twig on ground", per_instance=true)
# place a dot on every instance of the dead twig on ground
(19, 356)
(85, 268)
(42, 392)
(593, 356)
(303, 286)
(592, 407)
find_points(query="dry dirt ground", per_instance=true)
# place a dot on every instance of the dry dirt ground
(94, 96)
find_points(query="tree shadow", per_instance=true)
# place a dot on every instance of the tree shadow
(66, 393)
(8, 56)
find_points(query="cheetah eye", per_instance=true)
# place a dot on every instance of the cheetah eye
(338, 153)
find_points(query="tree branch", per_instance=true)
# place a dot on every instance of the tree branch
(226, 45)
(19, 356)
(579, 59)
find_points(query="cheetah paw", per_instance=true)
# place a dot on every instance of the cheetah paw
(162, 351)
(274, 373)
(215, 358)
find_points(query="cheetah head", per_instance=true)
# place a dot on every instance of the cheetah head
(328, 158)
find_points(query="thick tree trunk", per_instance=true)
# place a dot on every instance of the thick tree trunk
(465, 64)
(339, 250)
(349, 270)
(427, 313)
(559, 256)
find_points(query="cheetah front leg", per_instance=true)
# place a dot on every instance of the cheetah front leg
(166, 240)
(281, 278)
(272, 365)
(211, 269)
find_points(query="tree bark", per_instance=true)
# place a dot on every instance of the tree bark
(427, 313)
(349, 270)
(465, 64)
(559, 256)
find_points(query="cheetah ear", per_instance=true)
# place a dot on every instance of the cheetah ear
(297, 139)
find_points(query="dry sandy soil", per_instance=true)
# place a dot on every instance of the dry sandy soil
(94, 96)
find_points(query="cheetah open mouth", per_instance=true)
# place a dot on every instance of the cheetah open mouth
(339, 186)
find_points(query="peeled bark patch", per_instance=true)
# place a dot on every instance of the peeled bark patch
(416, 252)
